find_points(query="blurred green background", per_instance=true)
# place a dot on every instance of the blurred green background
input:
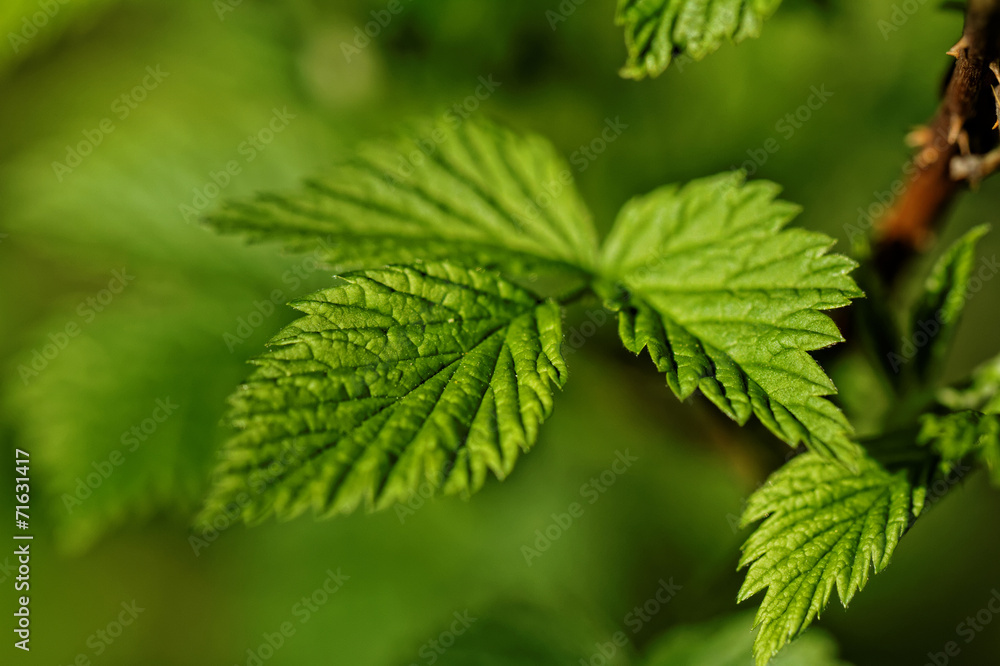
(173, 333)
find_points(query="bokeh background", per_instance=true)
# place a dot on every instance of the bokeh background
(226, 67)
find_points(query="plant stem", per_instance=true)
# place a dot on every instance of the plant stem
(954, 148)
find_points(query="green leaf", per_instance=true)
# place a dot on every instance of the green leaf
(729, 302)
(728, 642)
(937, 314)
(956, 436)
(400, 376)
(974, 427)
(457, 189)
(657, 31)
(823, 526)
(980, 393)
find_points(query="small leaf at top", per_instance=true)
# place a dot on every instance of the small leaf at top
(657, 31)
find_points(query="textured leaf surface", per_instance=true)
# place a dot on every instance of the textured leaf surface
(456, 190)
(728, 302)
(729, 643)
(400, 376)
(657, 31)
(939, 311)
(823, 527)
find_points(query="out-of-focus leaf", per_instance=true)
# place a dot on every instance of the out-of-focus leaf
(729, 642)
(118, 434)
(456, 190)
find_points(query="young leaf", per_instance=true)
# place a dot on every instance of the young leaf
(955, 436)
(458, 189)
(974, 427)
(656, 31)
(937, 314)
(981, 392)
(729, 302)
(403, 375)
(823, 526)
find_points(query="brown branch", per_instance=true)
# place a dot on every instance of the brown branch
(954, 149)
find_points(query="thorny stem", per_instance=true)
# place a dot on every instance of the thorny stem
(958, 146)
